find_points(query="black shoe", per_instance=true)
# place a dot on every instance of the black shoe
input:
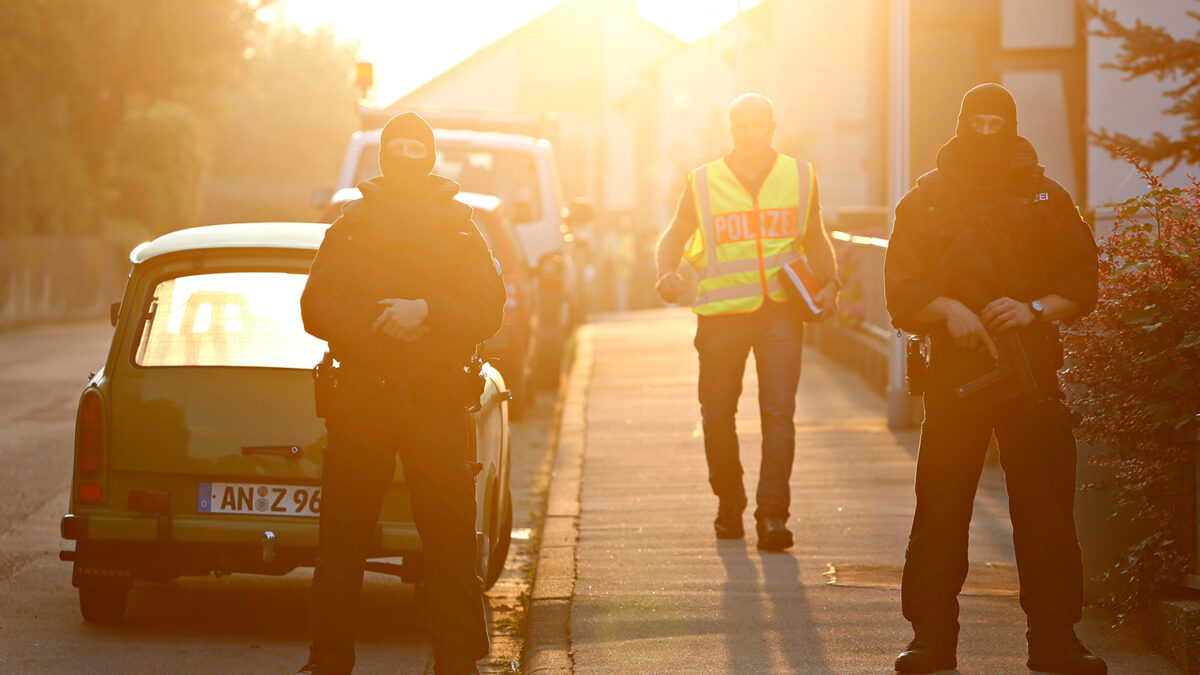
(728, 524)
(773, 534)
(927, 656)
(1066, 656)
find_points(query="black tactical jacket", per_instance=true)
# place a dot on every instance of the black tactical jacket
(1022, 238)
(421, 246)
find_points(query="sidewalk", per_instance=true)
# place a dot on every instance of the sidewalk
(631, 579)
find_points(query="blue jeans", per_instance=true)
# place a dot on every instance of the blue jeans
(724, 343)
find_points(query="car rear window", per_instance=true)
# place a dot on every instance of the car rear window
(249, 319)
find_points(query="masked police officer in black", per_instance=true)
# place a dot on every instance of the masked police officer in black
(403, 288)
(988, 252)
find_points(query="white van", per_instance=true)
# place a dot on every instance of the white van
(521, 171)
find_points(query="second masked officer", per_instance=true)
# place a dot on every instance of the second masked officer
(747, 214)
(403, 288)
(986, 257)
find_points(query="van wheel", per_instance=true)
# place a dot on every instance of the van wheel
(499, 552)
(99, 604)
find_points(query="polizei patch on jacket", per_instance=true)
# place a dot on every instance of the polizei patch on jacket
(747, 225)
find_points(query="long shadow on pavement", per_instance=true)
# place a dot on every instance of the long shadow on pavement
(767, 613)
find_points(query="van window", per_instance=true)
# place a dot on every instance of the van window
(249, 319)
(510, 175)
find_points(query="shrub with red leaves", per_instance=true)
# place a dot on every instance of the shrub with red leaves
(1134, 376)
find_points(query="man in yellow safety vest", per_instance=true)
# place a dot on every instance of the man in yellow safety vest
(740, 219)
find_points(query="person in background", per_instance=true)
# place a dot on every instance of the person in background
(746, 215)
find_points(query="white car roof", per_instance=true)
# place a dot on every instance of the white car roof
(297, 236)
(280, 235)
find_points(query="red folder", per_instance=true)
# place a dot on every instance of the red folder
(802, 288)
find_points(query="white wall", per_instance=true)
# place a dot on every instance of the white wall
(694, 86)
(631, 46)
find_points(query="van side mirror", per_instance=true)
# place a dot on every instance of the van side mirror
(579, 211)
(114, 311)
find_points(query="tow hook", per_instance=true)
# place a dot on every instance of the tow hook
(268, 546)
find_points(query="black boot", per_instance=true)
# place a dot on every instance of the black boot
(1059, 651)
(930, 651)
(728, 524)
(773, 534)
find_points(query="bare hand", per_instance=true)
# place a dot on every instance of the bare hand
(827, 300)
(967, 330)
(1005, 313)
(402, 319)
(669, 287)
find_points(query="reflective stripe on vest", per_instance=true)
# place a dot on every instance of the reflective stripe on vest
(742, 239)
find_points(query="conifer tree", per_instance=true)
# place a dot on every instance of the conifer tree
(1151, 51)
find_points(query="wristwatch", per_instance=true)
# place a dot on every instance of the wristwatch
(1037, 308)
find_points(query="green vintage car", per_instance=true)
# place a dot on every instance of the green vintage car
(197, 445)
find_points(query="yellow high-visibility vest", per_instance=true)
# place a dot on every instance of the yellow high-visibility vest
(743, 239)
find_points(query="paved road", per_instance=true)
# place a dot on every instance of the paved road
(236, 624)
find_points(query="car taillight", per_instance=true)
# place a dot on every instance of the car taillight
(89, 435)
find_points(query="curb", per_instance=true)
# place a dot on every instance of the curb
(547, 646)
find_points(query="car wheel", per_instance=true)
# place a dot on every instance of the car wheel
(503, 538)
(100, 604)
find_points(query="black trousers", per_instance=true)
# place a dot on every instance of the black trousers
(1037, 453)
(365, 435)
(724, 343)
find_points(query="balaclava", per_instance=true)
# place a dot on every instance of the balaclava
(406, 150)
(988, 157)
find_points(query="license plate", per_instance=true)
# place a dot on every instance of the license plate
(259, 499)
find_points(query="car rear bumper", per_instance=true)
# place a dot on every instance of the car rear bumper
(391, 538)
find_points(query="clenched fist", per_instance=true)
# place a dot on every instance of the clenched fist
(669, 287)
